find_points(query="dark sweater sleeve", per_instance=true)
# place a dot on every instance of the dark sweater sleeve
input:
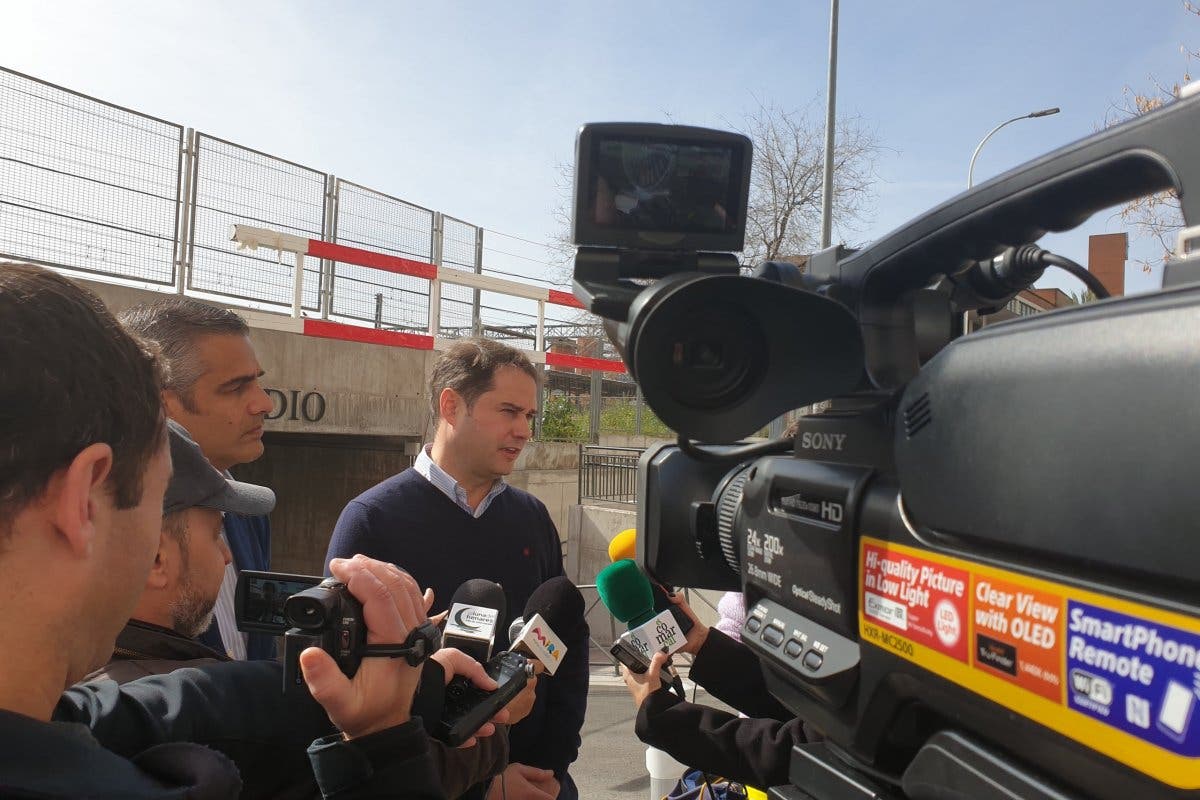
(237, 708)
(391, 763)
(236, 701)
(752, 751)
(731, 672)
(566, 691)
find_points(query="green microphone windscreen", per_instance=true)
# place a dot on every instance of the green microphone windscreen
(625, 592)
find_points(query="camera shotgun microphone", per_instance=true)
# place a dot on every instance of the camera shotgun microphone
(624, 546)
(553, 622)
(626, 594)
(476, 610)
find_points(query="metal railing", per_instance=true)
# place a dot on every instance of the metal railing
(93, 188)
(608, 473)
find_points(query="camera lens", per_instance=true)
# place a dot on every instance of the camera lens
(313, 609)
(716, 357)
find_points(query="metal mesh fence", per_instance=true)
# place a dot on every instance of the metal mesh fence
(85, 184)
(376, 221)
(236, 185)
(458, 252)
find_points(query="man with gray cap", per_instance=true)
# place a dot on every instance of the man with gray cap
(181, 590)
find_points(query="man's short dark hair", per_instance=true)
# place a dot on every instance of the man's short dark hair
(70, 376)
(469, 368)
(175, 325)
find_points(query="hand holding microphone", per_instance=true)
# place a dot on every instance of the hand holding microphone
(626, 593)
(642, 684)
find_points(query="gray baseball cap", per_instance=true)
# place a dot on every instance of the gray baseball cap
(197, 483)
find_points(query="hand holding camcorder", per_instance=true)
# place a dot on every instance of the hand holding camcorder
(378, 694)
(323, 623)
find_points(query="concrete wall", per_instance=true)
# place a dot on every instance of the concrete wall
(367, 390)
(550, 472)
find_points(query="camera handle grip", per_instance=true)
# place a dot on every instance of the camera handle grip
(421, 643)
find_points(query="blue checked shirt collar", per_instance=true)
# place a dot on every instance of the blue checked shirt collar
(446, 484)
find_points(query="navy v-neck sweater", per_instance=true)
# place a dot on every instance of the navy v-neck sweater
(408, 521)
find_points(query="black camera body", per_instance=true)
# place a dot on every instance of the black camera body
(306, 611)
(972, 573)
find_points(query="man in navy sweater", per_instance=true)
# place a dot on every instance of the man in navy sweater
(451, 517)
(213, 391)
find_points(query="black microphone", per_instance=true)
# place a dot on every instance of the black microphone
(477, 608)
(552, 622)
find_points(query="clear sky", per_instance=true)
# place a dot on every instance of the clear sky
(469, 108)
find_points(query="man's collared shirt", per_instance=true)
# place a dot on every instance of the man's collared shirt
(446, 484)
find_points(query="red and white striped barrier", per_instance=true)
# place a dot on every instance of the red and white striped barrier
(252, 238)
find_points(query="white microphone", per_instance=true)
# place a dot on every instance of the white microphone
(475, 611)
(655, 634)
(536, 638)
(553, 616)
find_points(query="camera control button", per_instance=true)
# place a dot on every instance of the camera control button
(754, 624)
(773, 635)
(813, 660)
(793, 648)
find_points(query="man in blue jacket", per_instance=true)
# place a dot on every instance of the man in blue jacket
(213, 391)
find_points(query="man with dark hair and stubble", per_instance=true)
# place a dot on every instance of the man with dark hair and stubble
(84, 469)
(451, 517)
(177, 601)
(213, 391)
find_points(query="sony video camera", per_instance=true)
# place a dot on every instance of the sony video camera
(974, 572)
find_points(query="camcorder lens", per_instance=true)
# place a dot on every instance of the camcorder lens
(312, 609)
(716, 358)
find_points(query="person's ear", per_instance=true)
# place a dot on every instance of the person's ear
(160, 572)
(80, 497)
(449, 403)
(173, 403)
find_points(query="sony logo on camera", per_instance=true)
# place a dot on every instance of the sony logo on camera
(812, 440)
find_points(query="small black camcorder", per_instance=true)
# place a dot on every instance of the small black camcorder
(309, 611)
(972, 573)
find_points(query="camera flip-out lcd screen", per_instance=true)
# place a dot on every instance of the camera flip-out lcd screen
(261, 597)
(648, 189)
(663, 186)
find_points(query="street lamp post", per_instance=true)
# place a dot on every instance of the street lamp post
(1045, 112)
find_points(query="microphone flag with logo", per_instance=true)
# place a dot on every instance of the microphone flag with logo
(552, 622)
(477, 608)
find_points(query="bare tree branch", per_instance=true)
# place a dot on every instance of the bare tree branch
(1159, 215)
(784, 214)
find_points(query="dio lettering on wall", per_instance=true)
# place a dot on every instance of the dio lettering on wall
(292, 404)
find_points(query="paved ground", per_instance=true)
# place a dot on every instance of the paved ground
(612, 762)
